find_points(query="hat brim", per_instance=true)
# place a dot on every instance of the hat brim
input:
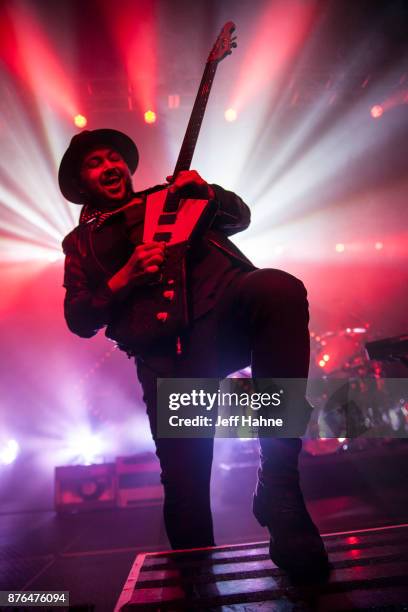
(83, 142)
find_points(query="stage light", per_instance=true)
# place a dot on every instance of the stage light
(9, 452)
(262, 70)
(135, 29)
(378, 246)
(230, 114)
(80, 121)
(322, 363)
(340, 247)
(326, 357)
(30, 54)
(150, 116)
(54, 256)
(86, 447)
(376, 111)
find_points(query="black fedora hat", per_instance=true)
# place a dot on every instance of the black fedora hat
(83, 142)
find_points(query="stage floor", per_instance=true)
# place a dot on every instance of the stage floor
(90, 554)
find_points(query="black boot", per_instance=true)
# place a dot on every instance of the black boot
(295, 544)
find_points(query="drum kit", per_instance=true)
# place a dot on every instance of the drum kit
(357, 403)
(357, 406)
(341, 353)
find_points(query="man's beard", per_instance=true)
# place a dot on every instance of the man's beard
(100, 201)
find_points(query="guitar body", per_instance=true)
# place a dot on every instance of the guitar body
(160, 310)
(172, 227)
(155, 312)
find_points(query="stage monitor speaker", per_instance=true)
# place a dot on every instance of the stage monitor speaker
(138, 480)
(85, 487)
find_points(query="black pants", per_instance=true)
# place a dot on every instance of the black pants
(261, 319)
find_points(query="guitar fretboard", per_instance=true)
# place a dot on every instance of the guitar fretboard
(221, 48)
(196, 119)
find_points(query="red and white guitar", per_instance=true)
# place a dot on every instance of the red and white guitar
(161, 310)
(168, 218)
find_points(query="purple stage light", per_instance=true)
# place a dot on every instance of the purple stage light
(9, 452)
(86, 447)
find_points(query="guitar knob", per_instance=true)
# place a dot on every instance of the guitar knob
(162, 316)
(169, 295)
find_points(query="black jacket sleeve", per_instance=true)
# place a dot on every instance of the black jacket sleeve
(86, 311)
(233, 215)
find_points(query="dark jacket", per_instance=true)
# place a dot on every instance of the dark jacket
(88, 304)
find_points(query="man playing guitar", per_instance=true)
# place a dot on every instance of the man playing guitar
(189, 308)
(239, 315)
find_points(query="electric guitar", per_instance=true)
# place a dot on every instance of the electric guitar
(161, 310)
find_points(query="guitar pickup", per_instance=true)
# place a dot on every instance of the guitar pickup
(167, 219)
(162, 236)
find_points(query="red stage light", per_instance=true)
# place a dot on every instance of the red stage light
(322, 363)
(150, 116)
(261, 70)
(134, 27)
(340, 247)
(80, 121)
(30, 54)
(376, 111)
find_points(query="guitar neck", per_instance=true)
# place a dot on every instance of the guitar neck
(196, 119)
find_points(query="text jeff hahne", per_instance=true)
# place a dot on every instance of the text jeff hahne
(231, 421)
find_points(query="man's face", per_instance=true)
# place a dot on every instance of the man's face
(105, 176)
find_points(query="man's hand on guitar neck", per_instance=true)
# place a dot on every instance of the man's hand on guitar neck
(189, 184)
(141, 268)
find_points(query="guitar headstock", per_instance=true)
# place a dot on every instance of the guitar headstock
(224, 43)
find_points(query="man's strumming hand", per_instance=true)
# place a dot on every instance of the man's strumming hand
(142, 267)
